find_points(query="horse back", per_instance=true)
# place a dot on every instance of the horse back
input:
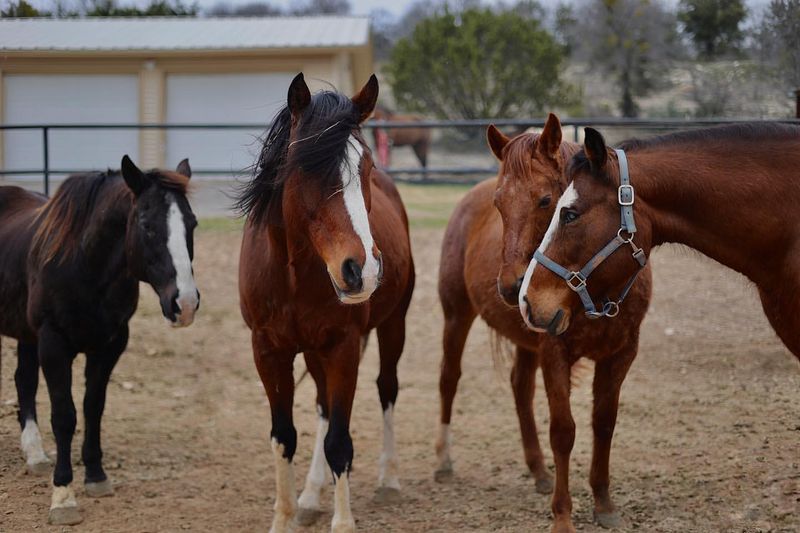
(18, 210)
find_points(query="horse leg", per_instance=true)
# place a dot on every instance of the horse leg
(27, 381)
(99, 366)
(56, 358)
(457, 323)
(782, 307)
(557, 372)
(608, 377)
(341, 374)
(275, 369)
(421, 151)
(309, 506)
(523, 382)
(391, 340)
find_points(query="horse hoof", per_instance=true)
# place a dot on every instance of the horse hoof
(608, 520)
(444, 474)
(40, 468)
(387, 495)
(544, 485)
(99, 489)
(65, 516)
(563, 527)
(307, 517)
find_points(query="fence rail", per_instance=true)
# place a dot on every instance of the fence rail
(398, 173)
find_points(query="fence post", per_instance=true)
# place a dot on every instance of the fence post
(46, 168)
(797, 104)
(575, 134)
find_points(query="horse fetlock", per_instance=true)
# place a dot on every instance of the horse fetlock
(31, 443)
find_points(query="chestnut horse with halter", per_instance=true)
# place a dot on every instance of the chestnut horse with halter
(501, 222)
(325, 259)
(727, 191)
(69, 278)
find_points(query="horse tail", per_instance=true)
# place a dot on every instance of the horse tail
(503, 354)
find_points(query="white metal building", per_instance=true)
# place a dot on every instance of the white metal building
(163, 70)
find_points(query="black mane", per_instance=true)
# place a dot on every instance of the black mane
(742, 132)
(318, 151)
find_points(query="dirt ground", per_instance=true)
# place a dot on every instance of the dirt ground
(707, 438)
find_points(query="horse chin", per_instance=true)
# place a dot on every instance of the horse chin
(352, 298)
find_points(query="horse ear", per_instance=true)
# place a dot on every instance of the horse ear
(595, 147)
(184, 169)
(299, 96)
(497, 140)
(550, 139)
(366, 99)
(135, 178)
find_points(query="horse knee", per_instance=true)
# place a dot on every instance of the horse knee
(562, 435)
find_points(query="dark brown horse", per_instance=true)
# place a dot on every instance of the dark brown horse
(729, 192)
(419, 139)
(325, 259)
(70, 270)
(501, 222)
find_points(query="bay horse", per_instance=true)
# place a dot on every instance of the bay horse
(325, 259)
(69, 281)
(728, 192)
(501, 222)
(419, 139)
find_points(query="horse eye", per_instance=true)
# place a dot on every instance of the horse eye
(568, 215)
(544, 202)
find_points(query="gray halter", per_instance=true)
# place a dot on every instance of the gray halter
(576, 280)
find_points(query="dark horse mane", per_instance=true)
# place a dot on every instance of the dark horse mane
(743, 132)
(64, 219)
(318, 150)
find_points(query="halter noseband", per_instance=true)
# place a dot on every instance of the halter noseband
(576, 280)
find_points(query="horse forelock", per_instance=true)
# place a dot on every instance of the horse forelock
(317, 149)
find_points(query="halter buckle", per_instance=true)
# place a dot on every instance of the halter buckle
(625, 190)
(572, 284)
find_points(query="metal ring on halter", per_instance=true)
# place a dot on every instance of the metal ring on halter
(576, 276)
(629, 240)
(610, 309)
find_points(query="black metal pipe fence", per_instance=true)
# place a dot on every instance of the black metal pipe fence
(400, 174)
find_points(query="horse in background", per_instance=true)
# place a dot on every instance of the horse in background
(501, 222)
(325, 259)
(419, 139)
(69, 280)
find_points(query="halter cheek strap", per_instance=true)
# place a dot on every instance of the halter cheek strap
(576, 280)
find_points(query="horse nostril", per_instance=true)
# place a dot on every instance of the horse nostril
(196, 307)
(517, 286)
(175, 307)
(351, 272)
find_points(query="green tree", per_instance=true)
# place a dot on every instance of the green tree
(779, 41)
(156, 8)
(22, 9)
(477, 63)
(631, 41)
(713, 25)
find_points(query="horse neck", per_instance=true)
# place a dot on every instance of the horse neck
(719, 201)
(104, 239)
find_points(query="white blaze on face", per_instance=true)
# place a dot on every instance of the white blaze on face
(310, 498)
(357, 210)
(387, 476)
(567, 199)
(285, 497)
(184, 278)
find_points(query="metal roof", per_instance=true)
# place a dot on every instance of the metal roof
(179, 33)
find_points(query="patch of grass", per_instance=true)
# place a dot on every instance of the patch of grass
(430, 206)
(220, 224)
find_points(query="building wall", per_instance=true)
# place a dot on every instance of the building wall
(347, 69)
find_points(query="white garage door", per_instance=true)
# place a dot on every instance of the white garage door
(62, 99)
(220, 99)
